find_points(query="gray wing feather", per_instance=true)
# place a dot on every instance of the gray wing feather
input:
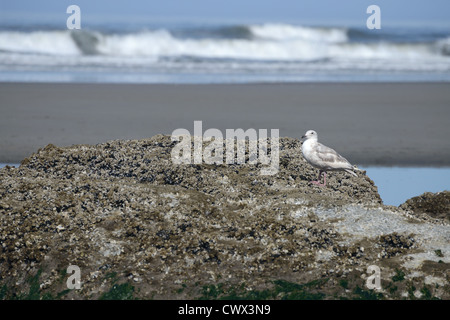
(332, 159)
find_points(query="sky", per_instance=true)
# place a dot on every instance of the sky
(416, 12)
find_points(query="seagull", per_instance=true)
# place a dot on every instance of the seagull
(323, 157)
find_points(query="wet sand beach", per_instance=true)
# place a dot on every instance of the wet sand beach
(386, 124)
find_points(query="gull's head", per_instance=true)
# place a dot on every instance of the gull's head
(310, 134)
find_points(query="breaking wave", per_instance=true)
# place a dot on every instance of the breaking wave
(255, 47)
(265, 42)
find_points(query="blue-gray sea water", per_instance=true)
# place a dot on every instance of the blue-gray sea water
(398, 184)
(222, 53)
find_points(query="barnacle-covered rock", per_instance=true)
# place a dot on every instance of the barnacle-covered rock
(131, 219)
(435, 205)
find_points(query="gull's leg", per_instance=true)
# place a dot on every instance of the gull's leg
(318, 179)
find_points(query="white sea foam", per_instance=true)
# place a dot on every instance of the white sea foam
(259, 48)
(291, 32)
(271, 42)
(45, 42)
(163, 44)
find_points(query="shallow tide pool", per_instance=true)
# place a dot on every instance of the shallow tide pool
(398, 184)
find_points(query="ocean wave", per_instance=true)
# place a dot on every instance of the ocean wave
(443, 46)
(285, 32)
(44, 42)
(271, 43)
(237, 48)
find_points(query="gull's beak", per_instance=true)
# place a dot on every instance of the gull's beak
(303, 137)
